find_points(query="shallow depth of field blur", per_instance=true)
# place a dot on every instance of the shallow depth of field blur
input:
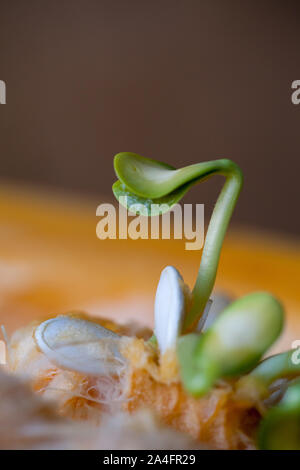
(175, 81)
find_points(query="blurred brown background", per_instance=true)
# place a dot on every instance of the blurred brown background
(177, 81)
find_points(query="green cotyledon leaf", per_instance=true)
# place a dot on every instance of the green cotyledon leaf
(147, 206)
(233, 345)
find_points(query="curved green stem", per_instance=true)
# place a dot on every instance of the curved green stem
(146, 182)
(214, 238)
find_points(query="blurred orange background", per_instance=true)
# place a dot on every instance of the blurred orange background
(51, 262)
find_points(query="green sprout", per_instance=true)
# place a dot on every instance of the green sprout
(234, 343)
(149, 183)
(244, 331)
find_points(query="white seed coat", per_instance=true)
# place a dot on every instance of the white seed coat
(169, 308)
(80, 345)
